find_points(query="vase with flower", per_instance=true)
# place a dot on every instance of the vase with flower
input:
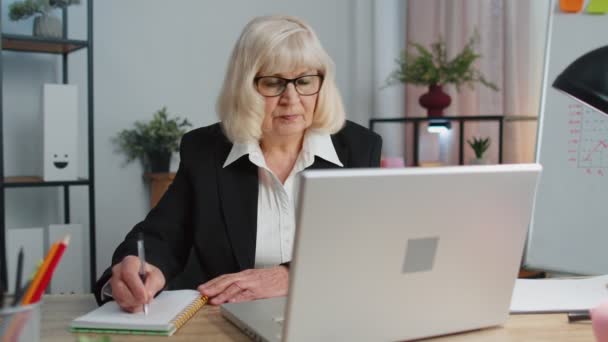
(45, 23)
(432, 68)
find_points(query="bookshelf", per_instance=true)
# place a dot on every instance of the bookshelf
(62, 47)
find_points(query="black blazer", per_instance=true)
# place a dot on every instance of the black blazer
(212, 210)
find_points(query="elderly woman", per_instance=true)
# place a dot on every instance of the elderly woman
(232, 200)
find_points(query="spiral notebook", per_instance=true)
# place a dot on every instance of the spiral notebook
(167, 313)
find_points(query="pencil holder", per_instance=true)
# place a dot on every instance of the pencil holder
(20, 323)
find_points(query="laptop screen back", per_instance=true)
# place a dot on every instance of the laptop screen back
(394, 254)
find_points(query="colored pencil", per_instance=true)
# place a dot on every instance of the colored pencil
(1, 294)
(46, 279)
(27, 298)
(18, 289)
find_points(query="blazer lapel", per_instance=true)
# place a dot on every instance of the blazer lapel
(341, 151)
(238, 186)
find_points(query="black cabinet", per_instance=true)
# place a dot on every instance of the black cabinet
(451, 121)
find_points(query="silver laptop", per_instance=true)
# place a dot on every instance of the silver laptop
(399, 254)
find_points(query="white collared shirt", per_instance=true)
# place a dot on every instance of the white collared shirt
(276, 221)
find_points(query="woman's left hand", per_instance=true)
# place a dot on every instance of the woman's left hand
(247, 285)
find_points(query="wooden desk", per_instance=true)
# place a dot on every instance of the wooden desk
(209, 325)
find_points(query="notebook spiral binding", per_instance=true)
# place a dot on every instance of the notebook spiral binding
(189, 311)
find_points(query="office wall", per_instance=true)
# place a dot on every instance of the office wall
(154, 53)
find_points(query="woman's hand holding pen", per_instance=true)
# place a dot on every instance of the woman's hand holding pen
(247, 285)
(128, 290)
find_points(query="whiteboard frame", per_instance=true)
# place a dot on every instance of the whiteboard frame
(546, 265)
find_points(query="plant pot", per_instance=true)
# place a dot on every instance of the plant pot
(48, 26)
(158, 162)
(479, 161)
(435, 101)
(159, 183)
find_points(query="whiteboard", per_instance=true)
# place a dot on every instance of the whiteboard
(569, 228)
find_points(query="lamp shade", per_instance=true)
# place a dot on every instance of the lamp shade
(586, 79)
(439, 126)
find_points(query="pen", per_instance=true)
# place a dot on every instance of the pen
(18, 278)
(22, 291)
(576, 316)
(1, 294)
(142, 262)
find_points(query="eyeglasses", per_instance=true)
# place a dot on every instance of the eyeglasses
(271, 86)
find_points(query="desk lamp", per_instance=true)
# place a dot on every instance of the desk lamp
(439, 125)
(586, 79)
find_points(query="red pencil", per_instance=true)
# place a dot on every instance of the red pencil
(46, 278)
(29, 294)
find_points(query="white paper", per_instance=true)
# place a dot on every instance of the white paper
(163, 309)
(558, 294)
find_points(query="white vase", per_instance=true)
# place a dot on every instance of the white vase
(47, 25)
(479, 161)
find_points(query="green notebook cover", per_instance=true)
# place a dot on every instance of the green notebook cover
(167, 313)
(122, 332)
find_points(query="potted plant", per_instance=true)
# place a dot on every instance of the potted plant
(45, 24)
(432, 68)
(479, 146)
(153, 142)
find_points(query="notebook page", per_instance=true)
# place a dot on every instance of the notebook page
(558, 295)
(163, 309)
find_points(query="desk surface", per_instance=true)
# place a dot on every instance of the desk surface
(208, 324)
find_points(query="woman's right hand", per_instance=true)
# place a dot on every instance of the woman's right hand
(128, 290)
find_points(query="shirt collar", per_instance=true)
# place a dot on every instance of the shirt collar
(320, 145)
(315, 144)
(239, 150)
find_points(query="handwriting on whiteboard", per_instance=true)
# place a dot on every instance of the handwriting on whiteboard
(587, 140)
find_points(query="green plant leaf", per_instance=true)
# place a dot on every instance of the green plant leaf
(479, 145)
(420, 66)
(24, 9)
(160, 135)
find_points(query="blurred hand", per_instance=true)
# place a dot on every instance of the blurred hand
(247, 285)
(129, 292)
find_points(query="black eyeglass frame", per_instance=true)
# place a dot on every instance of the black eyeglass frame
(287, 81)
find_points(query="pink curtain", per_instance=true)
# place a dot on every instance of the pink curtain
(512, 40)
